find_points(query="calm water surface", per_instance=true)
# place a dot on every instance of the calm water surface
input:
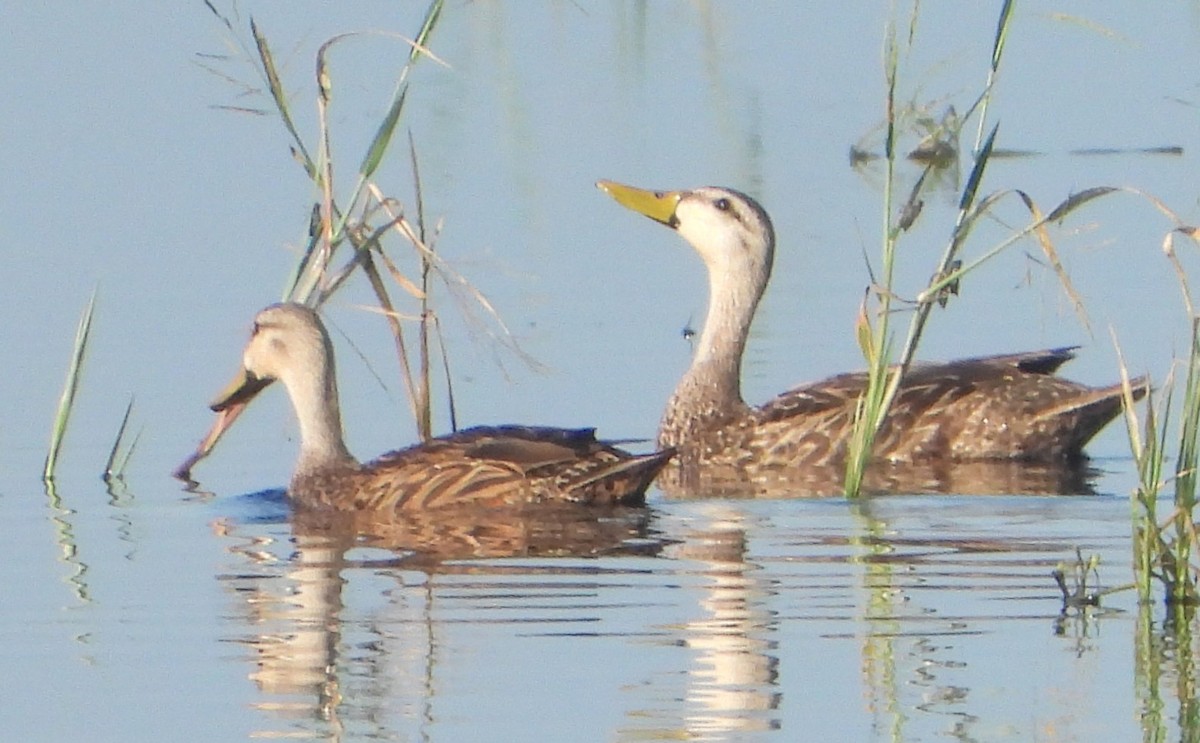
(144, 612)
(903, 617)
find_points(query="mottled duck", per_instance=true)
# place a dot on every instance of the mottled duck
(1009, 407)
(484, 466)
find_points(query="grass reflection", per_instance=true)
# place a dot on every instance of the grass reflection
(68, 547)
(884, 602)
(1165, 653)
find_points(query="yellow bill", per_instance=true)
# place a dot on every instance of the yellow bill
(657, 205)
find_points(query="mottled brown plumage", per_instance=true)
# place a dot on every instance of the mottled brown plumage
(1009, 407)
(994, 407)
(484, 467)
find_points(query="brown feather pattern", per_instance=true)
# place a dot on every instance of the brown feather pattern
(995, 407)
(488, 466)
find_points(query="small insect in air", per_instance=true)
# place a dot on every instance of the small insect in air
(688, 332)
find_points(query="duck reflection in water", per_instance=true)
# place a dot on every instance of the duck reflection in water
(306, 656)
(733, 681)
(983, 477)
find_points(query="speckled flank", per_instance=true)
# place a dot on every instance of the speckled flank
(998, 407)
(486, 466)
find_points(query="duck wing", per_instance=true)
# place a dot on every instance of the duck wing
(1010, 406)
(504, 465)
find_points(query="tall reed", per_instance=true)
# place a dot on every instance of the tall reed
(1164, 550)
(876, 340)
(873, 330)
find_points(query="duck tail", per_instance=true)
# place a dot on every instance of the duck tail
(1089, 413)
(624, 482)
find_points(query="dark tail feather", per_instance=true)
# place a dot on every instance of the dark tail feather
(1094, 411)
(625, 482)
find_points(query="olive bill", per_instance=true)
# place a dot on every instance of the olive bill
(239, 391)
(228, 405)
(657, 205)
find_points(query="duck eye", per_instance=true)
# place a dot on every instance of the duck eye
(722, 204)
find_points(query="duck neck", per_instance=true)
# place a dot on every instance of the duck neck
(315, 399)
(710, 392)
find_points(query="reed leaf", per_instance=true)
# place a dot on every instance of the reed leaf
(977, 169)
(432, 14)
(112, 468)
(1185, 466)
(383, 136)
(66, 401)
(1002, 26)
(1074, 201)
(393, 320)
(1048, 250)
(1003, 23)
(426, 311)
(452, 407)
(279, 96)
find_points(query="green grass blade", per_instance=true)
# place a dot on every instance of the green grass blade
(424, 385)
(383, 137)
(275, 85)
(1186, 461)
(66, 401)
(432, 14)
(1002, 25)
(111, 469)
(977, 169)
(123, 463)
(452, 408)
(875, 341)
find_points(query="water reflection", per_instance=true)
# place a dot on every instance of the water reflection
(935, 151)
(922, 650)
(68, 545)
(428, 540)
(678, 622)
(946, 477)
(295, 648)
(1165, 655)
(733, 682)
(312, 662)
